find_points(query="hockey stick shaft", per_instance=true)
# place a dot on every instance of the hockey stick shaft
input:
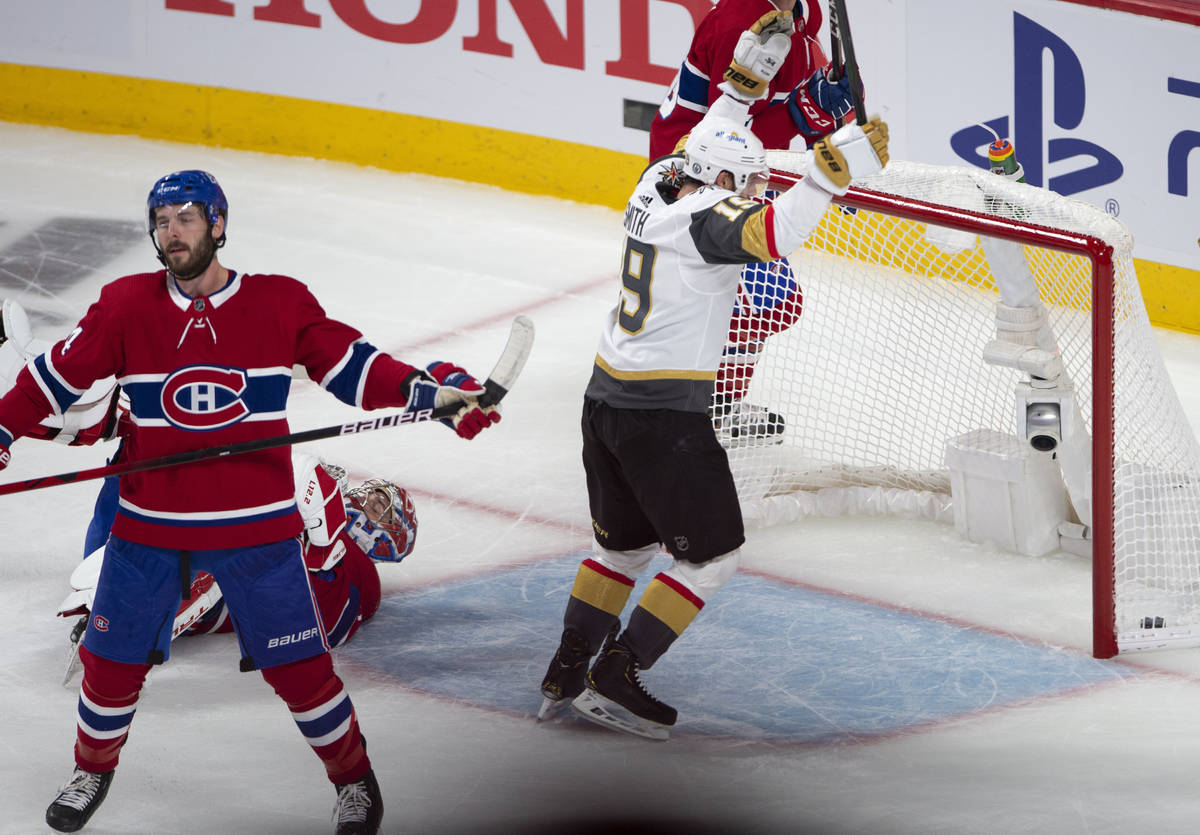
(839, 23)
(836, 65)
(507, 369)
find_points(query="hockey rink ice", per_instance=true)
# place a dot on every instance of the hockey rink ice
(863, 675)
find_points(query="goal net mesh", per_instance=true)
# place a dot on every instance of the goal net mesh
(885, 364)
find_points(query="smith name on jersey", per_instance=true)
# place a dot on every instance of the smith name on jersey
(204, 372)
(680, 269)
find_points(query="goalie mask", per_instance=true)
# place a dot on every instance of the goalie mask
(724, 145)
(381, 520)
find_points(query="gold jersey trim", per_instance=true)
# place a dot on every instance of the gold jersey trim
(655, 374)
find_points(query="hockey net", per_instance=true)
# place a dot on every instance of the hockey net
(885, 366)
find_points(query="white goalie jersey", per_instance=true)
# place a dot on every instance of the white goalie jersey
(680, 269)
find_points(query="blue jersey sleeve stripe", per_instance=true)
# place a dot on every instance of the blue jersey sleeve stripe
(347, 384)
(60, 395)
(693, 87)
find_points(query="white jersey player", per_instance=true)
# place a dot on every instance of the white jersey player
(656, 474)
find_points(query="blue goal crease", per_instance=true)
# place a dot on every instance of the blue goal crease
(765, 660)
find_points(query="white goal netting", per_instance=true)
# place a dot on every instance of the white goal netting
(885, 365)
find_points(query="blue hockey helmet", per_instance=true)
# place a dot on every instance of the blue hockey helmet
(191, 186)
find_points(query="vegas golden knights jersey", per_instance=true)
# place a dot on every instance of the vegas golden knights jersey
(680, 269)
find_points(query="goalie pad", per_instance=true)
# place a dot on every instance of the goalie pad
(90, 419)
(319, 498)
(83, 586)
(18, 332)
(203, 597)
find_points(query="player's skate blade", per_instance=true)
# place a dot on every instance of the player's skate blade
(74, 665)
(551, 708)
(596, 708)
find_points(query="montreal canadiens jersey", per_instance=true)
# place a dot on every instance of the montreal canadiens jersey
(203, 372)
(680, 268)
(695, 85)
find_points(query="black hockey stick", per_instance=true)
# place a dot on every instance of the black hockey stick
(840, 40)
(837, 67)
(508, 368)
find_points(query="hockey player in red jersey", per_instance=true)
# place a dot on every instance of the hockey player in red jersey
(657, 477)
(800, 104)
(799, 100)
(205, 355)
(347, 530)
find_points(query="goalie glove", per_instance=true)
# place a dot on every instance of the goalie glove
(758, 55)
(445, 384)
(849, 153)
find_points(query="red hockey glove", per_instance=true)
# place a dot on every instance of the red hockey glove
(818, 105)
(445, 384)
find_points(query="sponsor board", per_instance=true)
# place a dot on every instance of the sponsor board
(1102, 105)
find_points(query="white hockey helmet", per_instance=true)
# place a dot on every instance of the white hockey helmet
(718, 145)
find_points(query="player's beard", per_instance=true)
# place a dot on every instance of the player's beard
(196, 261)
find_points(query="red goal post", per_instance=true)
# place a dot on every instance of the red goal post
(885, 368)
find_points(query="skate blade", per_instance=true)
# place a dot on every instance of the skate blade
(74, 665)
(550, 708)
(594, 707)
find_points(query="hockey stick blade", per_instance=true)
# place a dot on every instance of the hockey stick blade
(840, 23)
(512, 361)
(503, 376)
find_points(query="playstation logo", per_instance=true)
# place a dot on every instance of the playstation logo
(1032, 44)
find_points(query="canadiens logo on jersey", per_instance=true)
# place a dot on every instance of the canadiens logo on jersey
(204, 397)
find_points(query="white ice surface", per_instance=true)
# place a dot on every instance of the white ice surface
(433, 269)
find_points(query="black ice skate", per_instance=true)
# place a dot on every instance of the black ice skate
(741, 424)
(359, 809)
(565, 677)
(78, 800)
(616, 698)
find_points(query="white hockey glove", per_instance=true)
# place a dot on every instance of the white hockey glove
(760, 52)
(849, 153)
